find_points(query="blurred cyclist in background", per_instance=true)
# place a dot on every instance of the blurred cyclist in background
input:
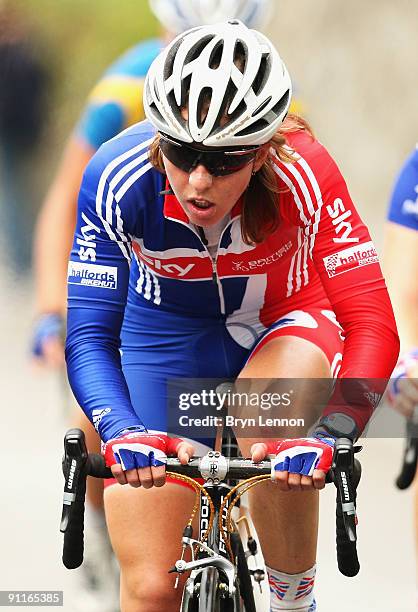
(24, 80)
(401, 267)
(113, 104)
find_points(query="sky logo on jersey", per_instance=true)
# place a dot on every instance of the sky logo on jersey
(92, 275)
(174, 269)
(350, 259)
(87, 243)
(343, 227)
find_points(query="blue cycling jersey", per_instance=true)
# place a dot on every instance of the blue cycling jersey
(138, 261)
(403, 207)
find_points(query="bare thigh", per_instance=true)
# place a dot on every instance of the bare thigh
(145, 528)
(287, 522)
(283, 364)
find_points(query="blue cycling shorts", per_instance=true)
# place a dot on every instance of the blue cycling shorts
(158, 346)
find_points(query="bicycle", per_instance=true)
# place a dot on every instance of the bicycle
(220, 580)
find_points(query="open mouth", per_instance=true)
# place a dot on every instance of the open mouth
(201, 204)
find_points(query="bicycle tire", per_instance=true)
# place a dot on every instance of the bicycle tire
(208, 598)
(188, 601)
(209, 595)
(246, 589)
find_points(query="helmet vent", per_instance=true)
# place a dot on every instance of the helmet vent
(261, 107)
(156, 113)
(169, 63)
(262, 75)
(240, 56)
(156, 94)
(255, 127)
(199, 47)
(216, 55)
(281, 105)
(238, 112)
(185, 88)
(223, 111)
(177, 110)
(203, 105)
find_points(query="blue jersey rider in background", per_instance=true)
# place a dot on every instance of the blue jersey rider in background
(401, 268)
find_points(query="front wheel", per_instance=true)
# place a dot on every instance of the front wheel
(208, 597)
(189, 601)
(209, 594)
(244, 577)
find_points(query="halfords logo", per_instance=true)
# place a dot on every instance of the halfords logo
(92, 275)
(350, 259)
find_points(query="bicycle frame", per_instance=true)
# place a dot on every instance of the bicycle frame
(213, 577)
(215, 549)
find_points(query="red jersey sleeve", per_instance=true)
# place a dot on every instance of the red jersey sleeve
(348, 265)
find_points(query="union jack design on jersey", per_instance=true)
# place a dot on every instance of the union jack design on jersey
(278, 587)
(127, 223)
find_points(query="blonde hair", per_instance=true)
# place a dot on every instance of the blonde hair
(260, 213)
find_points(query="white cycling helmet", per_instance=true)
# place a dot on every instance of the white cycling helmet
(180, 15)
(232, 80)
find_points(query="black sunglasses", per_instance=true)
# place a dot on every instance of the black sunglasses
(217, 162)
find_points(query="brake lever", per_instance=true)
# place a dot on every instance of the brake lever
(73, 467)
(345, 473)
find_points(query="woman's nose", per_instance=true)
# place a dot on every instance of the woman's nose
(200, 178)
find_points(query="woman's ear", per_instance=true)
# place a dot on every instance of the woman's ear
(261, 156)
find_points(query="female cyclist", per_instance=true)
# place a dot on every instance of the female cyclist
(218, 239)
(114, 104)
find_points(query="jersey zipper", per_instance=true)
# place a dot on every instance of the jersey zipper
(215, 269)
(215, 277)
(216, 280)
